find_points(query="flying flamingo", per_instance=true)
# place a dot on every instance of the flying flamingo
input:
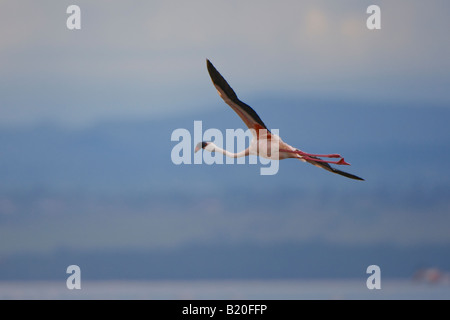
(264, 143)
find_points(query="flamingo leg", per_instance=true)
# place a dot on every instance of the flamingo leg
(340, 162)
(333, 155)
(311, 157)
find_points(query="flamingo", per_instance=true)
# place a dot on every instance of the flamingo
(264, 143)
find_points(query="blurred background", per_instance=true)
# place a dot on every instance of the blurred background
(86, 118)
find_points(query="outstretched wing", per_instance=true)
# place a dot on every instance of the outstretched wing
(244, 111)
(326, 166)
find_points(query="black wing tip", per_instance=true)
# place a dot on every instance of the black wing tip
(327, 167)
(348, 175)
(219, 81)
(210, 66)
(213, 71)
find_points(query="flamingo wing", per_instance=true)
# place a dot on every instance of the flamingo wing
(244, 111)
(326, 166)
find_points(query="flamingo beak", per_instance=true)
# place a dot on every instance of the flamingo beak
(198, 147)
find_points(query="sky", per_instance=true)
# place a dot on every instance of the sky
(147, 58)
(86, 118)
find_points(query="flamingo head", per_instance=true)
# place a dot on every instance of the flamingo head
(201, 145)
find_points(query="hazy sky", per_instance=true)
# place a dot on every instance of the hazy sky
(145, 58)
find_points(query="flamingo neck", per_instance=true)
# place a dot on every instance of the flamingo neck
(213, 148)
